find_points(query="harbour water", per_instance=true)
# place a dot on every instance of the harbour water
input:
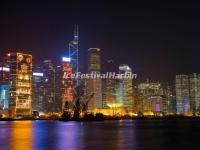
(107, 135)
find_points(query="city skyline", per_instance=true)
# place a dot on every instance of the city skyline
(99, 74)
(119, 29)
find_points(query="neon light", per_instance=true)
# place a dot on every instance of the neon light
(157, 107)
(69, 94)
(66, 59)
(5, 69)
(38, 74)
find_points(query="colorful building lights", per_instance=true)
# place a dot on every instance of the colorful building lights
(20, 81)
(38, 74)
(4, 69)
(66, 59)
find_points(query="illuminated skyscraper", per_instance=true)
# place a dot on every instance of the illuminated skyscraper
(104, 104)
(182, 94)
(52, 86)
(49, 86)
(138, 102)
(67, 84)
(4, 92)
(58, 88)
(168, 100)
(110, 91)
(194, 93)
(94, 60)
(155, 97)
(4, 70)
(20, 92)
(38, 90)
(4, 84)
(110, 85)
(94, 85)
(126, 87)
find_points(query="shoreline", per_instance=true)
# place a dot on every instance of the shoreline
(171, 118)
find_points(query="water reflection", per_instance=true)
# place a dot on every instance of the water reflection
(21, 135)
(55, 135)
(124, 140)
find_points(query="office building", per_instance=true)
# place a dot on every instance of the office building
(156, 97)
(94, 85)
(194, 93)
(126, 87)
(49, 86)
(182, 94)
(20, 81)
(38, 90)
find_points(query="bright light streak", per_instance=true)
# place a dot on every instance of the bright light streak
(5, 69)
(38, 74)
(66, 59)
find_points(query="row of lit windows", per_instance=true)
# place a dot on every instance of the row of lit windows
(23, 98)
(23, 91)
(23, 84)
(23, 77)
(23, 105)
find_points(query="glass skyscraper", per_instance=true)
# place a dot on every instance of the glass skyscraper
(94, 85)
(194, 93)
(182, 94)
(126, 87)
(4, 91)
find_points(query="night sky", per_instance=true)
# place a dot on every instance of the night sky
(158, 40)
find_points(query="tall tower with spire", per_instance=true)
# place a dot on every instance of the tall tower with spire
(73, 52)
(69, 66)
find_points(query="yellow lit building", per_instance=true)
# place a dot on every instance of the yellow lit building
(20, 93)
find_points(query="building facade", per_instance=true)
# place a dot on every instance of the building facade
(4, 85)
(49, 86)
(38, 90)
(94, 85)
(156, 97)
(194, 93)
(126, 88)
(20, 82)
(182, 94)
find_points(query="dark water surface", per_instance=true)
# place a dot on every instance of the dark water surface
(108, 135)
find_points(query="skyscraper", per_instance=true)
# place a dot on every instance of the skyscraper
(94, 85)
(156, 97)
(138, 102)
(182, 94)
(4, 84)
(194, 93)
(67, 85)
(126, 87)
(58, 88)
(110, 86)
(38, 90)
(110, 91)
(4, 91)
(49, 86)
(4, 70)
(20, 92)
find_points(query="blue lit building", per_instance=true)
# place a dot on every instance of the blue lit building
(4, 90)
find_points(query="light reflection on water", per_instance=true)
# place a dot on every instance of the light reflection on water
(111, 135)
(21, 135)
